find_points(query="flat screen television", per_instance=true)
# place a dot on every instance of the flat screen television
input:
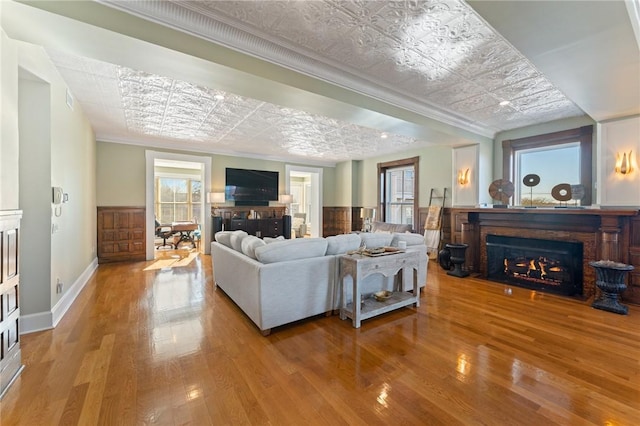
(251, 187)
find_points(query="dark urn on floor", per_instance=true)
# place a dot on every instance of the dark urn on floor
(457, 258)
(610, 280)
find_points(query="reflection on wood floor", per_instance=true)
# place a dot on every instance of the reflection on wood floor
(163, 346)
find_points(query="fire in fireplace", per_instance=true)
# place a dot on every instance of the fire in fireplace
(544, 265)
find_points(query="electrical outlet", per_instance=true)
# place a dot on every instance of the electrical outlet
(59, 286)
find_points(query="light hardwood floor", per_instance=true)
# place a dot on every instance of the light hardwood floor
(163, 346)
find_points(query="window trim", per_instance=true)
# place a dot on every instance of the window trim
(583, 135)
(382, 173)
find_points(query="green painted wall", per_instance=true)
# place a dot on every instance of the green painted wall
(435, 172)
(343, 187)
(121, 173)
(65, 157)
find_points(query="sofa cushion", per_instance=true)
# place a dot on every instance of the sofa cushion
(410, 238)
(249, 245)
(300, 248)
(236, 240)
(224, 237)
(270, 240)
(340, 244)
(390, 227)
(376, 239)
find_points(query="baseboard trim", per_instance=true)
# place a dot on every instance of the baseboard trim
(36, 322)
(69, 297)
(48, 320)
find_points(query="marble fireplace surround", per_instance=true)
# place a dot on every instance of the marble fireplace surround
(603, 232)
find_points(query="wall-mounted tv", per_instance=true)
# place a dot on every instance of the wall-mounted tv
(251, 187)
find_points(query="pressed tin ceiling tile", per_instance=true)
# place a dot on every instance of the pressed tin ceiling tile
(438, 58)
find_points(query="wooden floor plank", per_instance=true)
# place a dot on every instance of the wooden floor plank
(143, 345)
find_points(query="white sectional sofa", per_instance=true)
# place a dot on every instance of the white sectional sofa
(276, 282)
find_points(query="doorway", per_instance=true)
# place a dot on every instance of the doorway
(305, 185)
(179, 167)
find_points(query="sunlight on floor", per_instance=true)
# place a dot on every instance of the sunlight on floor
(172, 259)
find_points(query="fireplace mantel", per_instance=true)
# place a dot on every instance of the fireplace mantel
(605, 233)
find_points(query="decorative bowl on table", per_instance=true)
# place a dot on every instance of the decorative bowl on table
(381, 296)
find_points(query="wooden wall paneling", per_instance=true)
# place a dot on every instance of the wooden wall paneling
(10, 352)
(121, 234)
(632, 293)
(336, 220)
(356, 221)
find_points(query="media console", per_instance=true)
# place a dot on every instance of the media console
(261, 221)
(263, 227)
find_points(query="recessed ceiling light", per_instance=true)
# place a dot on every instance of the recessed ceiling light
(504, 103)
(384, 135)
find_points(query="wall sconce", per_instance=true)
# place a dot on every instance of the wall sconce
(624, 165)
(367, 214)
(215, 198)
(463, 177)
(285, 199)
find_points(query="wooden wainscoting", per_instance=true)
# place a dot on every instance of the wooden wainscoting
(337, 220)
(121, 234)
(10, 353)
(632, 294)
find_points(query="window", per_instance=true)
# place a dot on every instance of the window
(399, 196)
(398, 191)
(558, 164)
(560, 157)
(177, 199)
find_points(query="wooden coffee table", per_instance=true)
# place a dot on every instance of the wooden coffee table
(358, 267)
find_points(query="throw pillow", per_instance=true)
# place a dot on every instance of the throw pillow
(224, 237)
(249, 245)
(340, 244)
(270, 240)
(376, 239)
(300, 248)
(411, 239)
(236, 240)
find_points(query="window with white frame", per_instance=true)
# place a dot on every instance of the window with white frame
(177, 199)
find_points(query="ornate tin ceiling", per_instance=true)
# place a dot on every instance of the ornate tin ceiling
(123, 102)
(437, 58)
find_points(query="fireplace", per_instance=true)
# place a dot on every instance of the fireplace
(544, 265)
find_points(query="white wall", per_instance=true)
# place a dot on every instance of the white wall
(614, 139)
(57, 148)
(35, 193)
(465, 159)
(8, 123)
